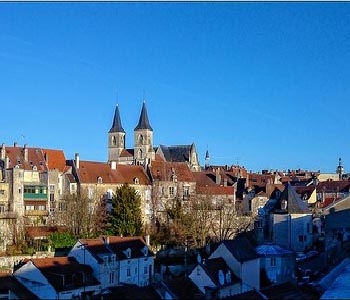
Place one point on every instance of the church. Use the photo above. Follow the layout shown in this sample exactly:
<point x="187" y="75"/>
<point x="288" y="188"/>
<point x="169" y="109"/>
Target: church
<point x="144" y="151"/>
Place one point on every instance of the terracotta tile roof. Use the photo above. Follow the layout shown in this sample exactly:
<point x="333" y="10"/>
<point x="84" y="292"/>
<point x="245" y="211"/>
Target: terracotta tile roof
<point x="42" y="231"/>
<point x="56" y="159"/>
<point x="52" y="268"/>
<point x="35" y="158"/>
<point x="162" y="171"/>
<point x="89" y="171"/>
<point x="215" y="190"/>
<point x="116" y="244"/>
<point x="129" y="173"/>
<point x="333" y="186"/>
<point x="204" y="178"/>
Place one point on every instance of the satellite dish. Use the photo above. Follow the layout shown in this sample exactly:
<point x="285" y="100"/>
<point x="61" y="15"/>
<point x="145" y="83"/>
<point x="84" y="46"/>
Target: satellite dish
<point x="221" y="277"/>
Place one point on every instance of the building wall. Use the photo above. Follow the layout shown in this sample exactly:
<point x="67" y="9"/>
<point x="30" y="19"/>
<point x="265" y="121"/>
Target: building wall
<point x="34" y="281"/>
<point x="279" y="269"/>
<point x="250" y="274"/>
<point x="201" y="279"/>
<point x="292" y="231"/>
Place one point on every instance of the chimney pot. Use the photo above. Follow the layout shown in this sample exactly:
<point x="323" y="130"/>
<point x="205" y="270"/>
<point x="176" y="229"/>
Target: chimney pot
<point x="77" y="160"/>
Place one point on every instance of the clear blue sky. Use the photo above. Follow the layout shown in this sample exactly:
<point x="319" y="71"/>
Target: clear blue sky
<point x="266" y="85"/>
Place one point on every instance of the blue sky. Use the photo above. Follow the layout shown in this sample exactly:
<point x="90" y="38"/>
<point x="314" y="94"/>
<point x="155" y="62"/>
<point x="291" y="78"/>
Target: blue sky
<point x="264" y="84"/>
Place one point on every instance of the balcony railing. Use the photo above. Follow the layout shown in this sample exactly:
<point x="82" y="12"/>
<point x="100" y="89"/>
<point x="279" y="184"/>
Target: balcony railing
<point x="36" y="212"/>
<point x="8" y="215"/>
<point x="35" y="196"/>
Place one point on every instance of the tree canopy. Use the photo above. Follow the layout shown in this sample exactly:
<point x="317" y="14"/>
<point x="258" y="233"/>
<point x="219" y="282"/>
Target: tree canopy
<point x="125" y="217"/>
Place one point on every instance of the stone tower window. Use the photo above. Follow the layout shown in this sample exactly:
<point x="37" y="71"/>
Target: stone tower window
<point x="114" y="142"/>
<point x="141" y="139"/>
<point x="139" y="154"/>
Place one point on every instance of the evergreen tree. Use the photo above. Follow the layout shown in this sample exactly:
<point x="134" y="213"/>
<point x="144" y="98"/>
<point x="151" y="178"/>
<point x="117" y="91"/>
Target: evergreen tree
<point x="125" y="217"/>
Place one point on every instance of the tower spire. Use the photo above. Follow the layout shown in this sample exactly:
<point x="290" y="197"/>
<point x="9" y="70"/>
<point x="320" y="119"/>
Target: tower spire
<point x="117" y="123"/>
<point x="143" y="121"/>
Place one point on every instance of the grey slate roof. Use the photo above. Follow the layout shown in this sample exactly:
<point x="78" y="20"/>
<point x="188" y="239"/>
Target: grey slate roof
<point x="241" y="249"/>
<point x="272" y="249"/>
<point x="176" y="153"/>
<point x="295" y="205"/>
<point x="143" y="121"/>
<point x="117" y="124"/>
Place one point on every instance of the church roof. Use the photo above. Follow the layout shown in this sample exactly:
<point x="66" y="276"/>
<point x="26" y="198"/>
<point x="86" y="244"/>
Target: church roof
<point x="176" y="153"/>
<point x="143" y="121"/>
<point x="117" y="123"/>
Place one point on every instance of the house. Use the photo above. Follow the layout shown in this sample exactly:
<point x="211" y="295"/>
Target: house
<point x="57" y="278"/>
<point x="285" y="220"/>
<point x="242" y="259"/>
<point x="277" y="263"/>
<point x="11" y="288"/>
<point x="99" y="181"/>
<point x="215" y="279"/>
<point x="116" y="260"/>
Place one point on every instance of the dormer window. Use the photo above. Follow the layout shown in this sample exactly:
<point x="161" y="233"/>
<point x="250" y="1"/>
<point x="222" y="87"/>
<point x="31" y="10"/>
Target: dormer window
<point x="145" y="251"/>
<point x="128" y="253"/>
<point x="284" y="204"/>
<point x="35" y="168"/>
<point x="136" y="180"/>
<point x="99" y="179"/>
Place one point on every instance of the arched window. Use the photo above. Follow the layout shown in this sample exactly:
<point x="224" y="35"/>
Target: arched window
<point x="136" y="180"/>
<point x="139" y="154"/>
<point x="141" y="139"/>
<point x="114" y="142"/>
<point x="99" y="179"/>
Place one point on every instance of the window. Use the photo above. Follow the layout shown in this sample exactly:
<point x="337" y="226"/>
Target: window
<point x="30" y="207"/>
<point x="128" y="272"/>
<point x="139" y="154"/>
<point x="111" y="278"/>
<point x="186" y="190"/>
<point x="171" y="190"/>
<point x="99" y="179"/>
<point x="2" y="208"/>
<point x="52" y="188"/>
<point x="90" y="193"/>
<point x="145" y="270"/>
<point x="136" y="180"/>
<point x="273" y="261"/>
<point x="41" y="207"/>
<point x="2" y="192"/>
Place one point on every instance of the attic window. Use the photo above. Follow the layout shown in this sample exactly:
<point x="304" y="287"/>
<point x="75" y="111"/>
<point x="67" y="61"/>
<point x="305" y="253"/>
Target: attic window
<point x="41" y="163"/>
<point x="99" y="179"/>
<point x="31" y="163"/>
<point x="18" y="161"/>
<point x="145" y="251"/>
<point x="128" y="253"/>
<point x="284" y="204"/>
<point x="35" y="168"/>
<point x="136" y="180"/>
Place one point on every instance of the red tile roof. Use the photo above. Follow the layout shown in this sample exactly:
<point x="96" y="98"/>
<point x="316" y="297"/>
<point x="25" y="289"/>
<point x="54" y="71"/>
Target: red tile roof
<point x="215" y="190"/>
<point x="56" y="159"/>
<point x="162" y="171"/>
<point x="127" y="153"/>
<point x="35" y="158"/>
<point x="89" y="171"/>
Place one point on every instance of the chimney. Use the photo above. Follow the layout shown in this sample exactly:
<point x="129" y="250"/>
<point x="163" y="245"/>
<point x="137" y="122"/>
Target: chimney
<point x="217" y="176"/>
<point x="3" y="151"/>
<point x="25" y="152"/>
<point x="77" y="160"/>
<point x="15" y="144"/>
<point x="147" y="239"/>
<point x="113" y="165"/>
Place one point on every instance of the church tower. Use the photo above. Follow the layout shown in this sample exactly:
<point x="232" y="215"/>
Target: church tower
<point x="143" y="140"/>
<point x="116" y="138"/>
